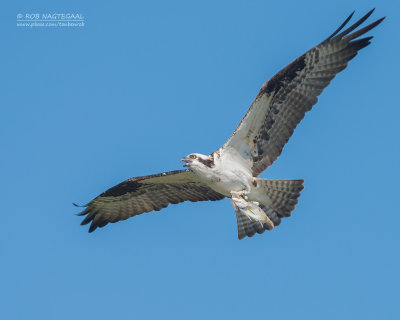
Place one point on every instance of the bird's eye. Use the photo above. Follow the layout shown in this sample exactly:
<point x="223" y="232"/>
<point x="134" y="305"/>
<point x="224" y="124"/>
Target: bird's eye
<point x="193" y="156"/>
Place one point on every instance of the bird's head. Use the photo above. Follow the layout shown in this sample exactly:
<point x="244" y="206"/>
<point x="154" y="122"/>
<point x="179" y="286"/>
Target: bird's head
<point x="198" y="161"/>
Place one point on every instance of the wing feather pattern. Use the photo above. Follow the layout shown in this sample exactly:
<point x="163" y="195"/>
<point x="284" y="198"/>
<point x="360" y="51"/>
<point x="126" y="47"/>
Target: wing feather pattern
<point x="284" y="99"/>
<point x="144" y="194"/>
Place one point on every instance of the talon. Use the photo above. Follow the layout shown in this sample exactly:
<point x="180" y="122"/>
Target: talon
<point x="240" y="195"/>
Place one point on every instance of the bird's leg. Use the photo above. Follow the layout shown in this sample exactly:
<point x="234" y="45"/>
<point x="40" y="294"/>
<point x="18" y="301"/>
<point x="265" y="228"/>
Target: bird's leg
<point x="240" y="194"/>
<point x="249" y="208"/>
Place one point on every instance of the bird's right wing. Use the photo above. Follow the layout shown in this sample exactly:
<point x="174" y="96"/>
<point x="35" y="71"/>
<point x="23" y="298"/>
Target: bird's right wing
<point x="144" y="194"/>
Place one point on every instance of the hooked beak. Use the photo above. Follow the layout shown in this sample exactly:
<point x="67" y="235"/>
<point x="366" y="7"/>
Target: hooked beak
<point x="187" y="161"/>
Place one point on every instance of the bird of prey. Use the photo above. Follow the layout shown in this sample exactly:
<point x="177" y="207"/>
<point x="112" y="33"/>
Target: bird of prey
<point x="232" y="170"/>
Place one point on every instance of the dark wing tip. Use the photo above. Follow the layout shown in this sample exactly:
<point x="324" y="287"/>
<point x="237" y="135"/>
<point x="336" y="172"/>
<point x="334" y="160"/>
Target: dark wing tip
<point x="369" y="12"/>
<point x="99" y="222"/>
<point x="356" y="25"/>
<point x="361" y="43"/>
<point x="88" y="218"/>
<point x="335" y="35"/>
<point x="341" y="26"/>
<point x="378" y="21"/>
<point x="80" y="205"/>
<point x="85" y="211"/>
<point x="93" y="224"/>
<point x="93" y="227"/>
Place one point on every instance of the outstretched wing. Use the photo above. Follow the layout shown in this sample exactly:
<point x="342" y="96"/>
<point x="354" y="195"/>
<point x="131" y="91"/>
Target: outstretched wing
<point x="284" y="99"/>
<point x="144" y="194"/>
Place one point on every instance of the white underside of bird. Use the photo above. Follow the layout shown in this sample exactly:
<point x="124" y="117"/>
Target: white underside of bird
<point x="231" y="176"/>
<point x="227" y="176"/>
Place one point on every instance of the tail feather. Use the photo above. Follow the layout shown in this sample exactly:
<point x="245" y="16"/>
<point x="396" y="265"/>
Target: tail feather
<point x="246" y="227"/>
<point x="282" y="197"/>
<point x="280" y="200"/>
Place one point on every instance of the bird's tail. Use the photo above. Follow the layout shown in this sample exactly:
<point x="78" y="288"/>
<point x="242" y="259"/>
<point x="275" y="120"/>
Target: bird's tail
<point x="282" y="197"/>
<point x="250" y="218"/>
<point x="279" y="201"/>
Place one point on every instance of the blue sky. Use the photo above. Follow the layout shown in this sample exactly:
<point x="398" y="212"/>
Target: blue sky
<point x="141" y="85"/>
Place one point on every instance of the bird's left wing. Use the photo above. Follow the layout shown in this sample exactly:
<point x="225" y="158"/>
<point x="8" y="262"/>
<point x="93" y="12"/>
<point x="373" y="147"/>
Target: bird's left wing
<point x="144" y="194"/>
<point x="283" y="100"/>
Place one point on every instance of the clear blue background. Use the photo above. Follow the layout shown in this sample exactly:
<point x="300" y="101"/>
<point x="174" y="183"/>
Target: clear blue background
<point x="143" y="84"/>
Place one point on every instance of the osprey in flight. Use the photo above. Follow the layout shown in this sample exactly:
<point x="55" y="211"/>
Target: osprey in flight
<point x="256" y="143"/>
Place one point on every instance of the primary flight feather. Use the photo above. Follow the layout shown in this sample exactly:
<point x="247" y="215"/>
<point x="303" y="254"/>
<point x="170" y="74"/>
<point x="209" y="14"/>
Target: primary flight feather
<point x="232" y="170"/>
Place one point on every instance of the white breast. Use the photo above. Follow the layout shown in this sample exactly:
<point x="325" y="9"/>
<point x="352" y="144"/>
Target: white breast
<point x="225" y="176"/>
